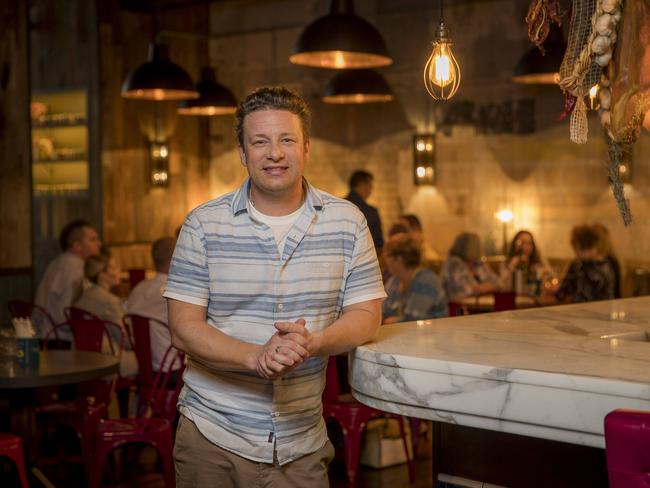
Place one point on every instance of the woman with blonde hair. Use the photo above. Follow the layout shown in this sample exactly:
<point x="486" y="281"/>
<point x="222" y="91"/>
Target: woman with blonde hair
<point x="101" y="273"/>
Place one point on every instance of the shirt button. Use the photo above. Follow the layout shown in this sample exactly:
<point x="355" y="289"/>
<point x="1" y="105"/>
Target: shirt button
<point x="280" y="306"/>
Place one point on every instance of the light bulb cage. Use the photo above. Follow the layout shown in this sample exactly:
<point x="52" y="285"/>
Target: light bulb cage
<point x="438" y="88"/>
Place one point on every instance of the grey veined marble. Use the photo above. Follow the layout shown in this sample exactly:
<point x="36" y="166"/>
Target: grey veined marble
<point x="551" y="372"/>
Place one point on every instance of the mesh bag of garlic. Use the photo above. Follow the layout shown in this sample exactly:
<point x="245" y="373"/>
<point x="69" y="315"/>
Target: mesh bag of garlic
<point x="587" y="52"/>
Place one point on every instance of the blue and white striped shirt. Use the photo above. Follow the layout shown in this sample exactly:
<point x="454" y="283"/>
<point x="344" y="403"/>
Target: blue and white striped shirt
<point x="230" y="263"/>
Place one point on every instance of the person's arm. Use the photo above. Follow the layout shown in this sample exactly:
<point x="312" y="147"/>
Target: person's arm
<point x="193" y="335"/>
<point x="357" y="325"/>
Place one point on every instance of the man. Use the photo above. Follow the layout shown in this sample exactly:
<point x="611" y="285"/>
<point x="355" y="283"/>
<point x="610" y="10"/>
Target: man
<point x="146" y="299"/>
<point x="360" y="191"/>
<point x="62" y="280"/>
<point x="265" y="284"/>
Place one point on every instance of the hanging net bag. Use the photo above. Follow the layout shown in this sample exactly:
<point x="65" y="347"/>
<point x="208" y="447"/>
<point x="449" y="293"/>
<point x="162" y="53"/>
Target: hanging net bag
<point x="587" y="52"/>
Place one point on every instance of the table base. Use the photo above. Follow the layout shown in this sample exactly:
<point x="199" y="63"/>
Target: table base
<point x="514" y="460"/>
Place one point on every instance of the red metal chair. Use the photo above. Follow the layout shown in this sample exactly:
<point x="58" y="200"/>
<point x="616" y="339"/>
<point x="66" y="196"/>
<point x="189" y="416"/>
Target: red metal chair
<point x="353" y="416"/>
<point x="505" y="300"/>
<point x="11" y="446"/>
<point x="150" y="427"/>
<point x="627" y="447"/>
<point x="84" y="413"/>
<point x="138" y="327"/>
<point x="456" y="309"/>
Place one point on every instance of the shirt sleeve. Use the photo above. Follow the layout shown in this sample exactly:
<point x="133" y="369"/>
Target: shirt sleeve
<point x="189" y="280"/>
<point x="363" y="281"/>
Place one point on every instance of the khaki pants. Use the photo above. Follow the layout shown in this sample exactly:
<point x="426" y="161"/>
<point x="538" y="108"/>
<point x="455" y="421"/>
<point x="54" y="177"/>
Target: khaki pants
<point x="201" y="464"/>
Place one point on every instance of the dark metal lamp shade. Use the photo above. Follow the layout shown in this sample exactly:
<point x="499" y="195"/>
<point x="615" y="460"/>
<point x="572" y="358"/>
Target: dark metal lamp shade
<point x="214" y="99"/>
<point x="357" y="86"/>
<point x="536" y="68"/>
<point x="340" y="41"/>
<point x="159" y="78"/>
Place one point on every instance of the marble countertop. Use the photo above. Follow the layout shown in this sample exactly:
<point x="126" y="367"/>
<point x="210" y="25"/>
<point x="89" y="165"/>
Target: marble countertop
<point x="551" y="372"/>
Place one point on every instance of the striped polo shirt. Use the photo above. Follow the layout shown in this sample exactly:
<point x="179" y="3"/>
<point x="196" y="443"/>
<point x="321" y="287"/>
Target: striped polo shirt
<point x="229" y="262"/>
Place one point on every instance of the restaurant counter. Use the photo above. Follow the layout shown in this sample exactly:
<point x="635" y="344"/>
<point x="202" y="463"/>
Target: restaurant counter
<point x="547" y="373"/>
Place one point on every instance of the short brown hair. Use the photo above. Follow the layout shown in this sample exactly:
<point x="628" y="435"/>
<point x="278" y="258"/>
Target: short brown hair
<point x="405" y="247"/>
<point x="162" y="251"/>
<point x="584" y="237"/>
<point x="273" y="98"/>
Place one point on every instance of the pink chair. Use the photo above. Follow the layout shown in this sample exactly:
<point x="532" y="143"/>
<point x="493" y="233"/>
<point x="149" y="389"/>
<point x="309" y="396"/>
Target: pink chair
<point x="11" y="446"/>
<point x="150" y="427"/>
<point x="353" y="416"/>
<point x="627" y="446"/>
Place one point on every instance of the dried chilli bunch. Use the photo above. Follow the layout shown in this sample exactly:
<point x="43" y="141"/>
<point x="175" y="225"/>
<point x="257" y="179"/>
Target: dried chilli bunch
<point x="539" y="17"/>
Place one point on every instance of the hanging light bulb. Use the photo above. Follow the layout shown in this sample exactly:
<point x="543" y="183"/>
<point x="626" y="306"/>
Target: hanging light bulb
<point x="442" y="73"/>
<point x="593" y="93"/>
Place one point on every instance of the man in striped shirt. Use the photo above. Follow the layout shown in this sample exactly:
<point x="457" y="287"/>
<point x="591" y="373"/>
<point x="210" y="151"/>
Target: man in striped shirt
<point x="265" y="284"/>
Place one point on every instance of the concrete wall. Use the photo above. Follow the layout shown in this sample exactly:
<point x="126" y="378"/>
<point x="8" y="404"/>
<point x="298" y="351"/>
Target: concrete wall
<point x="548" y="182"/>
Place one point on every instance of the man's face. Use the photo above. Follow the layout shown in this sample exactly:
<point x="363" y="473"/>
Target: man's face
<point x="274" y="153"/>
<point x="364" y="189"/>
<point x="89" y="244"/>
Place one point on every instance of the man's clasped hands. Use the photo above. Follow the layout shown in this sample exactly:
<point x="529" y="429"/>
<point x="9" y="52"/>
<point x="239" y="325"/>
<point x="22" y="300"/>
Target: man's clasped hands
<point x="292" y="344"/>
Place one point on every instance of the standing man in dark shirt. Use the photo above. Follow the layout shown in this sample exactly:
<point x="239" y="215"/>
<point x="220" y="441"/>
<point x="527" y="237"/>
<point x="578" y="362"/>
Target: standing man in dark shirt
<point x="360" y="190"/>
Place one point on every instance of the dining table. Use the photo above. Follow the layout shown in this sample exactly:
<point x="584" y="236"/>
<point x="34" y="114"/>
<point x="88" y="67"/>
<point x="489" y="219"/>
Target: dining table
<point x="19" y="386"/>
<point x="57" y="368"/>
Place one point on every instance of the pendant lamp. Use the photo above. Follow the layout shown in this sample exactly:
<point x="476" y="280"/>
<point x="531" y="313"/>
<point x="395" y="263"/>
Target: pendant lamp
<point x="214" y="99"/>
<point x="542" y="69"/>
<point x="357" y="86"/>
<point x="340" y="40"/>
<point x="442" y="73"/>
<point x="159" y="78"/>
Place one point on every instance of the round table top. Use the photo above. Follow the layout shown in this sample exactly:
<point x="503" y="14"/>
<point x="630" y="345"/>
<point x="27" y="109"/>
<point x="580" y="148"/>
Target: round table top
<point x="59" y="368"/>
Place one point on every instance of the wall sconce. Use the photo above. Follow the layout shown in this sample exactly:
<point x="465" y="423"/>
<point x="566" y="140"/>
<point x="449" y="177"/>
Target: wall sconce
<point x="159" y="163"/>
<point x="504" y="216"/>
<point x="424" y="161"/>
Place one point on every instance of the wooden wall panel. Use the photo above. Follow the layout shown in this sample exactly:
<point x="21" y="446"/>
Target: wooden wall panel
<point x="15" y="185"/>
<point x="133" y="211"/>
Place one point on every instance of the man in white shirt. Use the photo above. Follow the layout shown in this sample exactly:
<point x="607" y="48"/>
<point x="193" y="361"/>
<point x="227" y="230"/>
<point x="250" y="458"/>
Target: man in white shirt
<point x="61" y="282"/>
<point x="146" y="299"/>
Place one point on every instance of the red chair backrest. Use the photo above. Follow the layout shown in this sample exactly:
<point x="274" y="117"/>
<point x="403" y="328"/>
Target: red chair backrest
<point x="504" y="300"/>
<point x="332" y="389"/>
<point x="456" y="309"/>
<point x="627" y="447"/>
<point x="138" y="329"/>
<point x="162" y="400"/>
<point x="89" y="335"/>
<point x="136" y="275"/>
<point x="79" y="313"/>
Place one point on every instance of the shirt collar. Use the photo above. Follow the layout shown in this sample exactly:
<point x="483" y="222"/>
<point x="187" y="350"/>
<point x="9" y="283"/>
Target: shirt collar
<point x="312" y="199"/>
